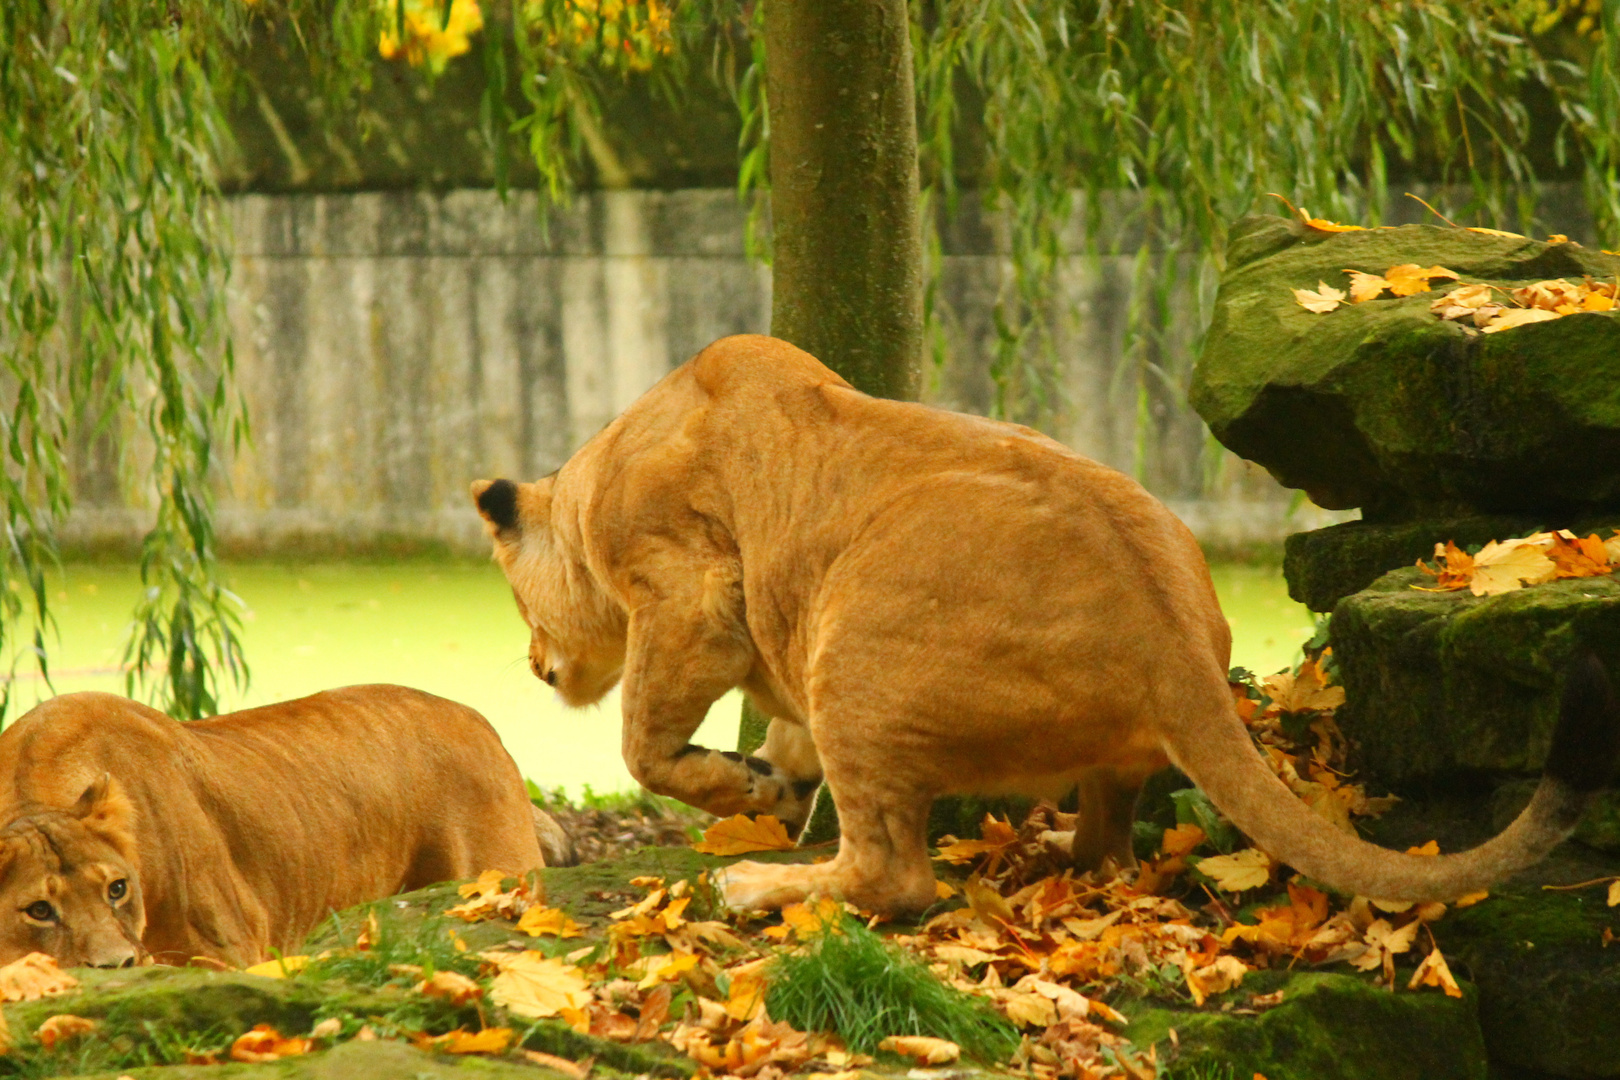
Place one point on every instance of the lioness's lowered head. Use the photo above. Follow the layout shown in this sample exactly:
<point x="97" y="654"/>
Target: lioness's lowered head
<point x="576" y="632"/>
<point x="69" y="881"/>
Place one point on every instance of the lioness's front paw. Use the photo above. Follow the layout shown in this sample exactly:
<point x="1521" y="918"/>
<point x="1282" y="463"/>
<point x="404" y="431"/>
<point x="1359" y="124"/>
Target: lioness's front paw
<point x="752" y="886"/>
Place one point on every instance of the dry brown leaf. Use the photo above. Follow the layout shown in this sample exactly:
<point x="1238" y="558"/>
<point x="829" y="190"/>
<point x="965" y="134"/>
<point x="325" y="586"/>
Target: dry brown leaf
<point x="1435" y="972"/>
<point x="265" y="1043"/>
<point x="577" y="1070"/>
<point x="924" y="1049"/>
<point x="996" y="836"/>
<point x="33" y="977"/>
<point x="1304" y="691"/>
<point x="61" y="1027"/>
<point x="1324" y="300"/>
<point x="739" y="834"/>
<point x="1224" y="973"/>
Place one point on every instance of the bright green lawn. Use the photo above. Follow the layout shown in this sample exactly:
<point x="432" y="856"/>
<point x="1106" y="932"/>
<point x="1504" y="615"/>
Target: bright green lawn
<point x="452" y="629"/>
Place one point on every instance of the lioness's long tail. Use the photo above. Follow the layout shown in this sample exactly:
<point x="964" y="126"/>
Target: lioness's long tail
<point x="1582" y="761"/>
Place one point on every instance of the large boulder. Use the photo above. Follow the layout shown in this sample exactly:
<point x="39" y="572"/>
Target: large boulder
<point x="1441" y="685"/>
<point x="1330" y="1026"/>
<point x="1384" y="406"/>
<point x="1324" y="566"/>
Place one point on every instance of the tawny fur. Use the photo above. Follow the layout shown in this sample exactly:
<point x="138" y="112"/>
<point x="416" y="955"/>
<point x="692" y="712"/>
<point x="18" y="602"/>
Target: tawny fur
<point x="926" y="603"/>
<point x="242" y="832"/>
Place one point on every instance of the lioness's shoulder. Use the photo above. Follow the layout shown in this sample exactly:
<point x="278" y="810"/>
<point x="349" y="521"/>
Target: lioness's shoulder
<point x="752" y="362"/>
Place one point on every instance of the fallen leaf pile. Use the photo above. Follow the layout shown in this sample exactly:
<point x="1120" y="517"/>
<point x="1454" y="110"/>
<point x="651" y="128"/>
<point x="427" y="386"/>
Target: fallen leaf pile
<point x="1487" y="308"/>
<point x="1506" y="565"/>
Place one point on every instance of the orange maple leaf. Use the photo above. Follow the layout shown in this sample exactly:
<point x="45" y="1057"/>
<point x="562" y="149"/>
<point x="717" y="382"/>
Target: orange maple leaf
<point x="461" y="1041"/>
<point x="1435" y="972"/>
<point x="997" y="836"/>
<point x="61" y="1027"/>
<point x="739" y="834"/>
<point x="265" y="1043"/>
<point x="1364" y="287"/>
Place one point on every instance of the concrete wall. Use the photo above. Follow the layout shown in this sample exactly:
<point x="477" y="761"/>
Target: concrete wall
<point x="393" y="346"/>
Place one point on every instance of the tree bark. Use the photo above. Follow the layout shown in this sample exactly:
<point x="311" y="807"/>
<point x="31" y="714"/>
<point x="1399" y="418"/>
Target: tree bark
<point x="846" y="236"/>
<point x="846" y="264"/>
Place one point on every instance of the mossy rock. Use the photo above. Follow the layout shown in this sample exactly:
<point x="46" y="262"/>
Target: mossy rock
<point x="1329" y="1026"/>
<point x="144" y="1012"/>
<point x="352" y="1061"/>
<point x="1440" y="685"/>
<point x="1324" y="566"/>
<point x="1382" y="405"/>
<point x="1549" y="989"/>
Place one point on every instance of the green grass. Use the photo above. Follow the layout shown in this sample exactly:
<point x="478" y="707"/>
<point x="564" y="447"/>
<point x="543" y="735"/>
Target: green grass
<point x="852" y="982"/>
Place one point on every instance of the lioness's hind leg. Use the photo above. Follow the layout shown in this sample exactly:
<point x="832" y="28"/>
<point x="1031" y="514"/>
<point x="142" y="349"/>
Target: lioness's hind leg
<point x="1105" y="816"/>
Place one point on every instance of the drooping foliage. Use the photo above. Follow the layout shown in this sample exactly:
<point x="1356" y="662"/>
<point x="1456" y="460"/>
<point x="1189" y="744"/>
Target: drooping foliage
<point x="1100" y="118"/>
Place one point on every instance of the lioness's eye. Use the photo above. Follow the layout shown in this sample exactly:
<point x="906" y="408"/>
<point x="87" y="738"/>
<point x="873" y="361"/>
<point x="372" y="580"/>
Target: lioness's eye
<point x="40" y="910"/>
<point x="117" y="889"/>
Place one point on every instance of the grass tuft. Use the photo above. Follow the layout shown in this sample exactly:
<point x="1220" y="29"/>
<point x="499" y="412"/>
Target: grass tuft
<point x="852" y="982"/>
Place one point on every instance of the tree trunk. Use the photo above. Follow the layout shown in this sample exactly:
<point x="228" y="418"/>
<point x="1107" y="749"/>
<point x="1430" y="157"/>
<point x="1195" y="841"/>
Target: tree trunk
<point x="846" y="265"/>
<point x="847" y="240"/>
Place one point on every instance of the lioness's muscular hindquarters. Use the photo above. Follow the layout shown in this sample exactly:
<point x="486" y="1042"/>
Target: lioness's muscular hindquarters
<point x="926" y="603"/>
<point x="244" y="831"/>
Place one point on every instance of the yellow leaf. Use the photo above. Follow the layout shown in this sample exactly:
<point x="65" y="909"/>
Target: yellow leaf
<point x="922" y="1048"/>
<point x="1496" y="232"/>
<point x="1432" y="847"/>
<point x="747" y="996"/>
<point x="807" y="920"/>
<point x="996" y="836"/>
<point x="1304" y="691"/>
<point x="533" y="985"/>
<point x="1246" y="869"/>
<point x="1597" y="302"/>
<point x="1614" y="894"/>
<point x="1408" y="279"/>
<point x="1470" y="899"/>
<point x="33" y="977"/>
<point x="452" y="986"/>
<point x="1215" y="978"/>
<point x="1364" y="287"/>
<point x="61" y="1027"/>
<point x="1511" y="317"/>
<point x="739" y="834"/>
<point x="666" y="968"/>
<point x="279" y="968"/>
<point x="543" y="920"/>
<point x="943" y="890"/>
<point x="460" y="1041"/>
<point x="1324" y="225"/>
<point x="488" y="884"/>
<point x="1434" y="972"/>
<point x="1504" y="567"/>
<point x="1029" y="1010"/>
<point x="1324" y="300"/>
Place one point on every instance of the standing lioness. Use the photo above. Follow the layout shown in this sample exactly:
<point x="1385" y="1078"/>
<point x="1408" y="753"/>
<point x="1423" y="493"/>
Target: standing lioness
<point x="229" y="837"/>
<point x="926" y="603"/>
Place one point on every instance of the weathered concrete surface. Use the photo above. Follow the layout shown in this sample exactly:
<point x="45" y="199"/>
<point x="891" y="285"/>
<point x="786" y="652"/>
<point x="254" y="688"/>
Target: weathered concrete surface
<point x="1383" y="406"/>
<point x="392" y="346"/>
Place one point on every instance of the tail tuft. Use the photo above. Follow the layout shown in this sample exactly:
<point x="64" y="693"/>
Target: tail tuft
<point x="1586" y="743"/>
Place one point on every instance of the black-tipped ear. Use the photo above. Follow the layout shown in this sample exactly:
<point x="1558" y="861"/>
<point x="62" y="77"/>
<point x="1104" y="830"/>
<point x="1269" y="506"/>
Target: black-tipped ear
<point x="93" y="796"/>
<point x="497" y="501"/>
<point x="1586" y="742"/>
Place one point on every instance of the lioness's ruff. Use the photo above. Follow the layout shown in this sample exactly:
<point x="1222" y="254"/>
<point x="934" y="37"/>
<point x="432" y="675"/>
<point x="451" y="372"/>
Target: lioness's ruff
<point x="237" y="835"/>
<point x="926" y="603"/>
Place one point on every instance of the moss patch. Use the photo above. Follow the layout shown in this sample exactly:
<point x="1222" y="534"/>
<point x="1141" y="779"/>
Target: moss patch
<point x="1381" y="405"/>
<point x="1449" y="683"/>
<point x="1329" y="1026"/>
<point x="351" y="1061"/>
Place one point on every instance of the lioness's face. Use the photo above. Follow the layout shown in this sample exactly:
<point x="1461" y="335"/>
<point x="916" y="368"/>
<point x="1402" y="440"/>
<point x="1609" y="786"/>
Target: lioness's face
<point x="68" y="883"/>
<point x="576" y="643"/>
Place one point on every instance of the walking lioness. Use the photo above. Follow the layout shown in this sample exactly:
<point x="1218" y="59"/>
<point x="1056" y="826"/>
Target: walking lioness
<point x="926" y="603"/>
<point x="123" y="831"/>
